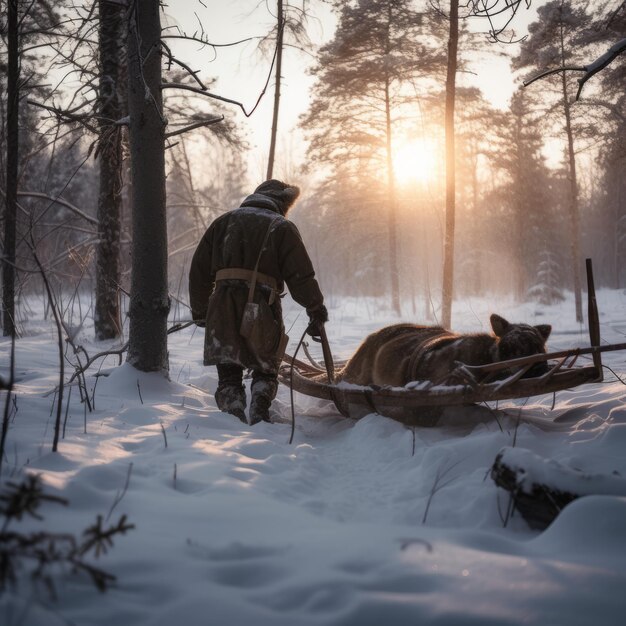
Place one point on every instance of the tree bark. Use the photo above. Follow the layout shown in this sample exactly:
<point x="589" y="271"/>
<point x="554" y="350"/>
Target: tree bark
<point x="573" y="203"/>
<point x="149" y="299"/>
<point x="448" y="260"/>
<point x="279" y="65"/>
<point x="10" y="213"/>
<point x="107" y="320"/>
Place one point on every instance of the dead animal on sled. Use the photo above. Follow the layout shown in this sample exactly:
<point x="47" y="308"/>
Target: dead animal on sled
<point x="398" y="354"/>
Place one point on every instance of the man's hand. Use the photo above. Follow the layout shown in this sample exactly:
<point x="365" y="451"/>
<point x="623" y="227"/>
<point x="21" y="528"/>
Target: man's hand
<point x="317" y="318"/>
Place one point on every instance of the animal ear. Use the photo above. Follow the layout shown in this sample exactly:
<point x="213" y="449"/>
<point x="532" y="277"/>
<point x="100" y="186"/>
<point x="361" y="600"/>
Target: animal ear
<point x="499" y="325"/>
<point x="544" y="330"/>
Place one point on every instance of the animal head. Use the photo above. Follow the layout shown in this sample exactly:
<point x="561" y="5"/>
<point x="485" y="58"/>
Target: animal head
<point x="518" y="340"/>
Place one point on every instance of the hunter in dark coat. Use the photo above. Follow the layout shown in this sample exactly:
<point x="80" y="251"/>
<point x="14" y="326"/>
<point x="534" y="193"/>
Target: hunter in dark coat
<point x="255" y="236"/>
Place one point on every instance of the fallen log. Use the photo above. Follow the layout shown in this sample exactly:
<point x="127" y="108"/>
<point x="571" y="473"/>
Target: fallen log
<point x="542" y="488"/>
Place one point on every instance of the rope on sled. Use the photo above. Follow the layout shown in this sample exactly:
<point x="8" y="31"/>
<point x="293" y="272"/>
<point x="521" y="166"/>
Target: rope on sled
<point x="293" y="412"/>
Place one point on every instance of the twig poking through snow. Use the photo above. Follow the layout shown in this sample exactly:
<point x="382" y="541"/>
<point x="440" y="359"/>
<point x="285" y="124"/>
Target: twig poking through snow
<point x="120" y="495"/>
<point x="164" y="435"/>
<point x="495" y="415"/>
<point x="438" y="485"/>
<point x="67" y="410"/>
<point x="519" y="417"/>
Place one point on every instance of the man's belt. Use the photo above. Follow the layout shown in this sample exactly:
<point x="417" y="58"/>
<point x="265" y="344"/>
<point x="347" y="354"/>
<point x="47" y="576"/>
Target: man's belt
<point x="239" y="273"/>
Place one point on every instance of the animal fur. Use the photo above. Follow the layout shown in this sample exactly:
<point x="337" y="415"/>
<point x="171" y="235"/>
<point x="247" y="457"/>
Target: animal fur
<point x="399" y="354"/>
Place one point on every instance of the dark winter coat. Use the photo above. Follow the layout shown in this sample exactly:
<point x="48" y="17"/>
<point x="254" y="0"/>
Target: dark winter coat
<point x="234" y="240"/>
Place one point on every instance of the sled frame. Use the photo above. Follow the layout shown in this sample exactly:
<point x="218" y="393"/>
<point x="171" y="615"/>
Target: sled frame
<point x="465" y="384"/>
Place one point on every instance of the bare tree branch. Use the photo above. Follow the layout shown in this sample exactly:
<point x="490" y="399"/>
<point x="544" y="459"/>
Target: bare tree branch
<point x="61" y="201"/>
<point x="593" y="68"/>
<point x="489" y="10"/>
<point x="173" y="59"/>
<point x="66" y="115"/>
<point x="203" y="91"/>
<point x="200" y="124"/>
<point x="205" y="42"/>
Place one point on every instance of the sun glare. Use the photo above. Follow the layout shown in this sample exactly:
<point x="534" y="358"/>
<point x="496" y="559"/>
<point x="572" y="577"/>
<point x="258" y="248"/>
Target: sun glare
<point x="415" y="162"/>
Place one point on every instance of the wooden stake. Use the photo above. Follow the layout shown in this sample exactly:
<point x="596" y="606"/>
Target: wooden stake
<point x="593" y="319"/>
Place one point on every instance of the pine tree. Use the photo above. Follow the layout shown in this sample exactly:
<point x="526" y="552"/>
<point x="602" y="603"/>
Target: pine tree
<point x="546" y="287"/>
<point x="551" y="44"/>
<point x="478" y="153"/>
<point x="379" y="46"/>
<point x="533" y="216"/>
<point x="608" y="104"/>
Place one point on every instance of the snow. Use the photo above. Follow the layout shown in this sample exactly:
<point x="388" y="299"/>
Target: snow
<point x="534" y="470"/>
<point x="356" y="523"/>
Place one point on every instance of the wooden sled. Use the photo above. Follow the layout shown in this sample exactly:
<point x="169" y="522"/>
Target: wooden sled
<point x="421" y="403"/>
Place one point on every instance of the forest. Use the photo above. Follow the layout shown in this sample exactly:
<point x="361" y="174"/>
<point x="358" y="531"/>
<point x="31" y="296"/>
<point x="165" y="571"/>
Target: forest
<point x="538" y="185"/>
<point x="455" y="158"/>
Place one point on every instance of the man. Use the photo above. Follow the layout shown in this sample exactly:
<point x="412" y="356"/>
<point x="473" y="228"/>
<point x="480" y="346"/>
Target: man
<point x="237" y="274"/>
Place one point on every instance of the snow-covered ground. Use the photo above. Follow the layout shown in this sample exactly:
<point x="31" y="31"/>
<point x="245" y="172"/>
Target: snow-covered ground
<point x="346" y="526"/>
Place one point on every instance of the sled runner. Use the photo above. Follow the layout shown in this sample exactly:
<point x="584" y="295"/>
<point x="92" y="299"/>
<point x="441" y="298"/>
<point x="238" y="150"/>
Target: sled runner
<point x="421" y="402"/>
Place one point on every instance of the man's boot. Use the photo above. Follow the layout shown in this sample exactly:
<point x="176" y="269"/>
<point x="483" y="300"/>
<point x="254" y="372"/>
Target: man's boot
<point x="263" y="392"/>
<point x="232" y="399"/>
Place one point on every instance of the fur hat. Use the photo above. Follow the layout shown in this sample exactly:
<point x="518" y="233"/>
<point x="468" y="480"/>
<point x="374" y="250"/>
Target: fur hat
<point x="282" y="193"/>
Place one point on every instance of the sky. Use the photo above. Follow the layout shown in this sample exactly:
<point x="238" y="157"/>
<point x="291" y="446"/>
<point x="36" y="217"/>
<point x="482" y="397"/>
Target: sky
<point x="241" y="71"/>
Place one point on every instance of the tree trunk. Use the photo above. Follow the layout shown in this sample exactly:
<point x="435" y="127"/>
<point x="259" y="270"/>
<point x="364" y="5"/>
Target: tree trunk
<point x="618" y="230"/>
<point x="149" y="299"/>
<point x="476" y="234"/>
<point x="279" y="64"/>
<point x="10" y="213"/>
<point x="393" y="235"/>
<point x="448" y="260"/>
<point x="573" y="204"/>
<point x="107" y="320"/>
<point x="519" y="190"/>
<point x="391" y="183"/>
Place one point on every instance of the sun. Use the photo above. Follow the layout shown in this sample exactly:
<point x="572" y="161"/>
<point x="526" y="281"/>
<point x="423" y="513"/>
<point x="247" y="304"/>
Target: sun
<point x="415" y="161"/>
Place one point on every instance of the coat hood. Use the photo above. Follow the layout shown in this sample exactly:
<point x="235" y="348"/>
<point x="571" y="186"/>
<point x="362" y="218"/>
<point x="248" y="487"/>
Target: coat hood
<point x="275" y="195"/>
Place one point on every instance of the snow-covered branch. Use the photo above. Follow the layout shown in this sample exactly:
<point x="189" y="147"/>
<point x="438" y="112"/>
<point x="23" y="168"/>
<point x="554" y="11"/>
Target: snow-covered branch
<point x="592" y="68"/>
